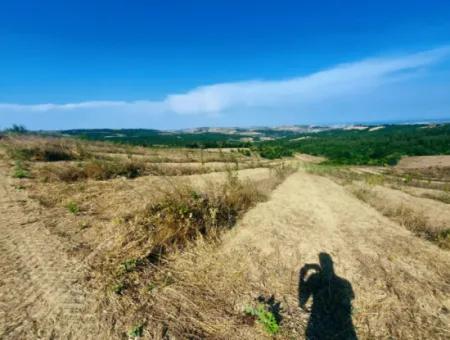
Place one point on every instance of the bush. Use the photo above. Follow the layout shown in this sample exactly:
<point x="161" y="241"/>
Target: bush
<point x="184" y="214"/>
<point x="274" y="151"/>
<point x="265" y="317"/>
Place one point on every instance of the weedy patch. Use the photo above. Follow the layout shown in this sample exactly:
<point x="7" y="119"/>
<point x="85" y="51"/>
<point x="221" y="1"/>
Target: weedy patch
<point x="130" y="265"/>
<point x="267" y="313"/>
<point x="265" y="318"/>
<point x="119" y="287"/>
<point x="163" y="282"/>
<point x="137" y="331"/>
<point x="73" y="207"/>
<point x="92" y="169"/>
<point x="183" y="214"/>
<point x="41" y="151"/>
<point x="20" y="170"/>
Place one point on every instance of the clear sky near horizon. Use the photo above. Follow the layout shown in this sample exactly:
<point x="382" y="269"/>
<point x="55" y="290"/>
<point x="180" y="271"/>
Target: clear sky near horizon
<point x="177" y="64"/>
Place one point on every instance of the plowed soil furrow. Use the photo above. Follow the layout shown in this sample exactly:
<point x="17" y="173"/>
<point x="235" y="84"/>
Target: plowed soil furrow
<point x="42" y="294"/>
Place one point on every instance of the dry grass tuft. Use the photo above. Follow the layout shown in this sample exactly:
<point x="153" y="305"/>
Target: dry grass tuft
<point x="93" y="169"/>
<point x="48" y="149"/>
<point x="183" y="214"/>
<point x="419" y="225"/>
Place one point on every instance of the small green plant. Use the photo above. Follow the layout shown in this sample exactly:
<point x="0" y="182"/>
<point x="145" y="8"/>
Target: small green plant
<point x="118" y="288"/>
<point x="264" y="317"/>
<point x="73" y="207"/>
<point x="130" y="265"/>
<point x="151" y="287"/>
<point x="137" y="331"/>
<point x="20" y="171"/>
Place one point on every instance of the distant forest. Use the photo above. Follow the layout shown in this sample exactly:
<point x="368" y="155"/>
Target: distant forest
<point x="146" y="137"/>
<point x="383" y="145"/>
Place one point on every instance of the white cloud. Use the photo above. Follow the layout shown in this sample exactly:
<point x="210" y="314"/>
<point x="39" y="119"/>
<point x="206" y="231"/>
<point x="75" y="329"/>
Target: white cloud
<point x="143" y="104"/>
<point x="341" y="81"/>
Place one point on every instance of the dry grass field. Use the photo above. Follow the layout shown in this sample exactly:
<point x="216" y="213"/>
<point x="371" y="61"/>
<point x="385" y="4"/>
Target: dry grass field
<point x="103" y="241"/>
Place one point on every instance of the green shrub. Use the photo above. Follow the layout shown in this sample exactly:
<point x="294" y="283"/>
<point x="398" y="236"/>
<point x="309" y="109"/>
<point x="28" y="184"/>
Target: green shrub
<point x="274" y="151"/>
<point x="265" y="317"/>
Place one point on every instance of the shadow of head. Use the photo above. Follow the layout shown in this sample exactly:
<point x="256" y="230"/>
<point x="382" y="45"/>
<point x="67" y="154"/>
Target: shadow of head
<point x="326" y="265"/>
<point x="331" y="309"/>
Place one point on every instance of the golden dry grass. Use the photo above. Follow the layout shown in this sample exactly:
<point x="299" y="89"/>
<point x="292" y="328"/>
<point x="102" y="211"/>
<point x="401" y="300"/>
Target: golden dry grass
<point x="127" y="230"/>
<point x="180" y="251"/>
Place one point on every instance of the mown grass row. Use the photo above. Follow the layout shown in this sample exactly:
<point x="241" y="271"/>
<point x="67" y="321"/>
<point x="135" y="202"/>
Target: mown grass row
<point x="153" y="236"/>
<point x="407" y="217"/>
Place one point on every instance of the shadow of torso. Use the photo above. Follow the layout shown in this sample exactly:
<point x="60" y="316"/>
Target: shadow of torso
<point x="331" y="311"/>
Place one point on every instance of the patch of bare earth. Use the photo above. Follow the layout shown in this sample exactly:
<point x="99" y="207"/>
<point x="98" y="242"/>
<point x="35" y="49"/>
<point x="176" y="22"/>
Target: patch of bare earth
<point x="42" y="288"/>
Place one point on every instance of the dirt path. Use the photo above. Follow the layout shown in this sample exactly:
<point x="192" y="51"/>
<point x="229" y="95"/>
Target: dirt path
<point x="42" y="293"/>
<point x="400" y="282"/>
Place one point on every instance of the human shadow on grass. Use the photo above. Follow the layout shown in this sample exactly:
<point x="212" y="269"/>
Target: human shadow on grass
<point x="331" y="311"/>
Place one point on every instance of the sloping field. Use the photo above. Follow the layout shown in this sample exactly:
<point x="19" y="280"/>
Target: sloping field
<point x="322" y="262"/>
<point x="424" y="162"/>
<point x="385" y="265"/>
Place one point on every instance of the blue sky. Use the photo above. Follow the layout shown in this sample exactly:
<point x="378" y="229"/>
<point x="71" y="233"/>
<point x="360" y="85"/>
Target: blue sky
<point x="176" y="64"/>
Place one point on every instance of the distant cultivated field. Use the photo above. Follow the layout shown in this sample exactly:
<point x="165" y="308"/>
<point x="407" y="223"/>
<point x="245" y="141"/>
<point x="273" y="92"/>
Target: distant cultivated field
<point x="424" y="162"/>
